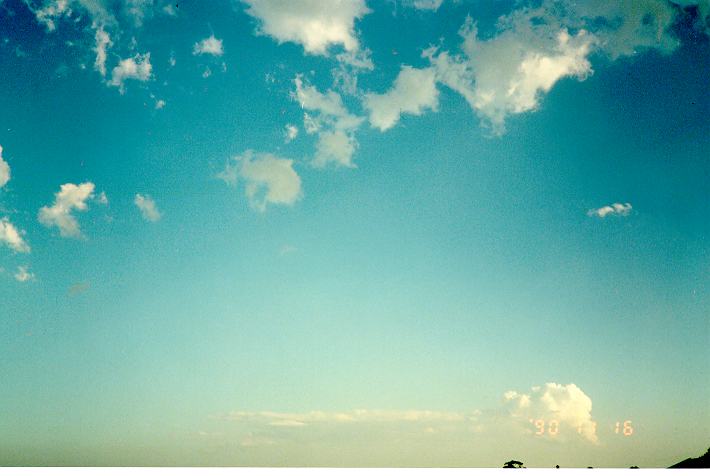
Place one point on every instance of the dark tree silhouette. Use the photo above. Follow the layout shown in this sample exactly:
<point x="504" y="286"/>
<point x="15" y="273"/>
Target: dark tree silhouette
<point x="700" y="462"/>
<point x="513" y="464"/>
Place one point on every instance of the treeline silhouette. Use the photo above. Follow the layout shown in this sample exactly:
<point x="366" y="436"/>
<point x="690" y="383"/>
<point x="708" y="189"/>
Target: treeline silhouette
<point x="699" y="462"/>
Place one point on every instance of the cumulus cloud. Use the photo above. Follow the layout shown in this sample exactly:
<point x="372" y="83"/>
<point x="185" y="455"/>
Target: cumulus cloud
<point x="314" y="24"/>
<point x="103" y="42"/>
<point x="332" y="122"/>
<point x="413" y="91"/>
<point x="567" y="405"/>
<point x="138" y="68"/>
<point x="509" y="73"/>
<point x="208" y="46"/>
<point x="290" y="132"/>
<point x="4" y="170"/>
<point x="268" y="179"/>
<point x="147" y="206"/>
<point x="534" y="48"/>
<point x="619" y="209"/>
<point x="11" y="237"/>
<point x="22" y="275"/>
<point x="70" y="197"/>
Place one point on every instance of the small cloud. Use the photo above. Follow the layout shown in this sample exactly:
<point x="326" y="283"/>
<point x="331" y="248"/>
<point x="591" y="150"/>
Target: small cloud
<point x="4" y="171"/>
<point x="618" y="209"/>
<point x="170" y="10"/>
<point x="102" y="199"/>
<point x="159" y="104"/>
<point x="148" y="208"/>
<point x="290" y="132"/>
<point x="208" y="46"/>
<point x="78" y="288"/>
<point x="287" y="250"/>
<point x="69" y="198"/>
<point x="137" y="68"/>
<point x="413" y="91"/>
<point x="427" y="4"/>
<point x="23" y="275"/>
<point x="12" y="237"/>
<point x="207" y="72"/>
<point x="268" y="179"/>
<point x="172" y="61"/>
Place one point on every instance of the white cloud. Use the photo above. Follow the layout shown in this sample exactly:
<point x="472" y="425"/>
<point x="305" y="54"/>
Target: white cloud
<point x="147" y="206"/>
<point x="508" y="73"/>
<point x="12" y="237"/>
<point x="314" y="24"/>
<point x="290" y="132"/>
<point x="413" y="91"/>
<point x="207" y="72"/>
<point x="268" y="179"/>
<point x="4" y="171"/>
<point x="428" y="4"/>
<point x="23" y="274"/>
<point x="69" y="198"/>
<point x="621" y="209"/>
<point x="208" y="46"/>
<point x="332" y="122"/>
<point x="137" y="67"/>
<point x="567" y="405"/>
<point x="103" y="42"/>
<point x="534" y="48"/>
<point x="159" y="104"/>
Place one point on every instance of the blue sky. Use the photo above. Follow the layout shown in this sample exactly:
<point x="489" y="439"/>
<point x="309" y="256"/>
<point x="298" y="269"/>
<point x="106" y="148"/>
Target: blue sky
<point x="404" y="233"/>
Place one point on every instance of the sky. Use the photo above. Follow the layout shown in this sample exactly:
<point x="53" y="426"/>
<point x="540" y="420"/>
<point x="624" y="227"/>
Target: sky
<point x="354" y="233"/>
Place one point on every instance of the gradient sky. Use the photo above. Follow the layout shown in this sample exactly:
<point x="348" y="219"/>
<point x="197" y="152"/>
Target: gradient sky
<point x="391" y="233"/>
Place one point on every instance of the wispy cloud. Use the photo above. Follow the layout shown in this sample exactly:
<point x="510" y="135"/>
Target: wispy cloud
<point x="148" y="208"/>
<point x="23" y="274"/>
